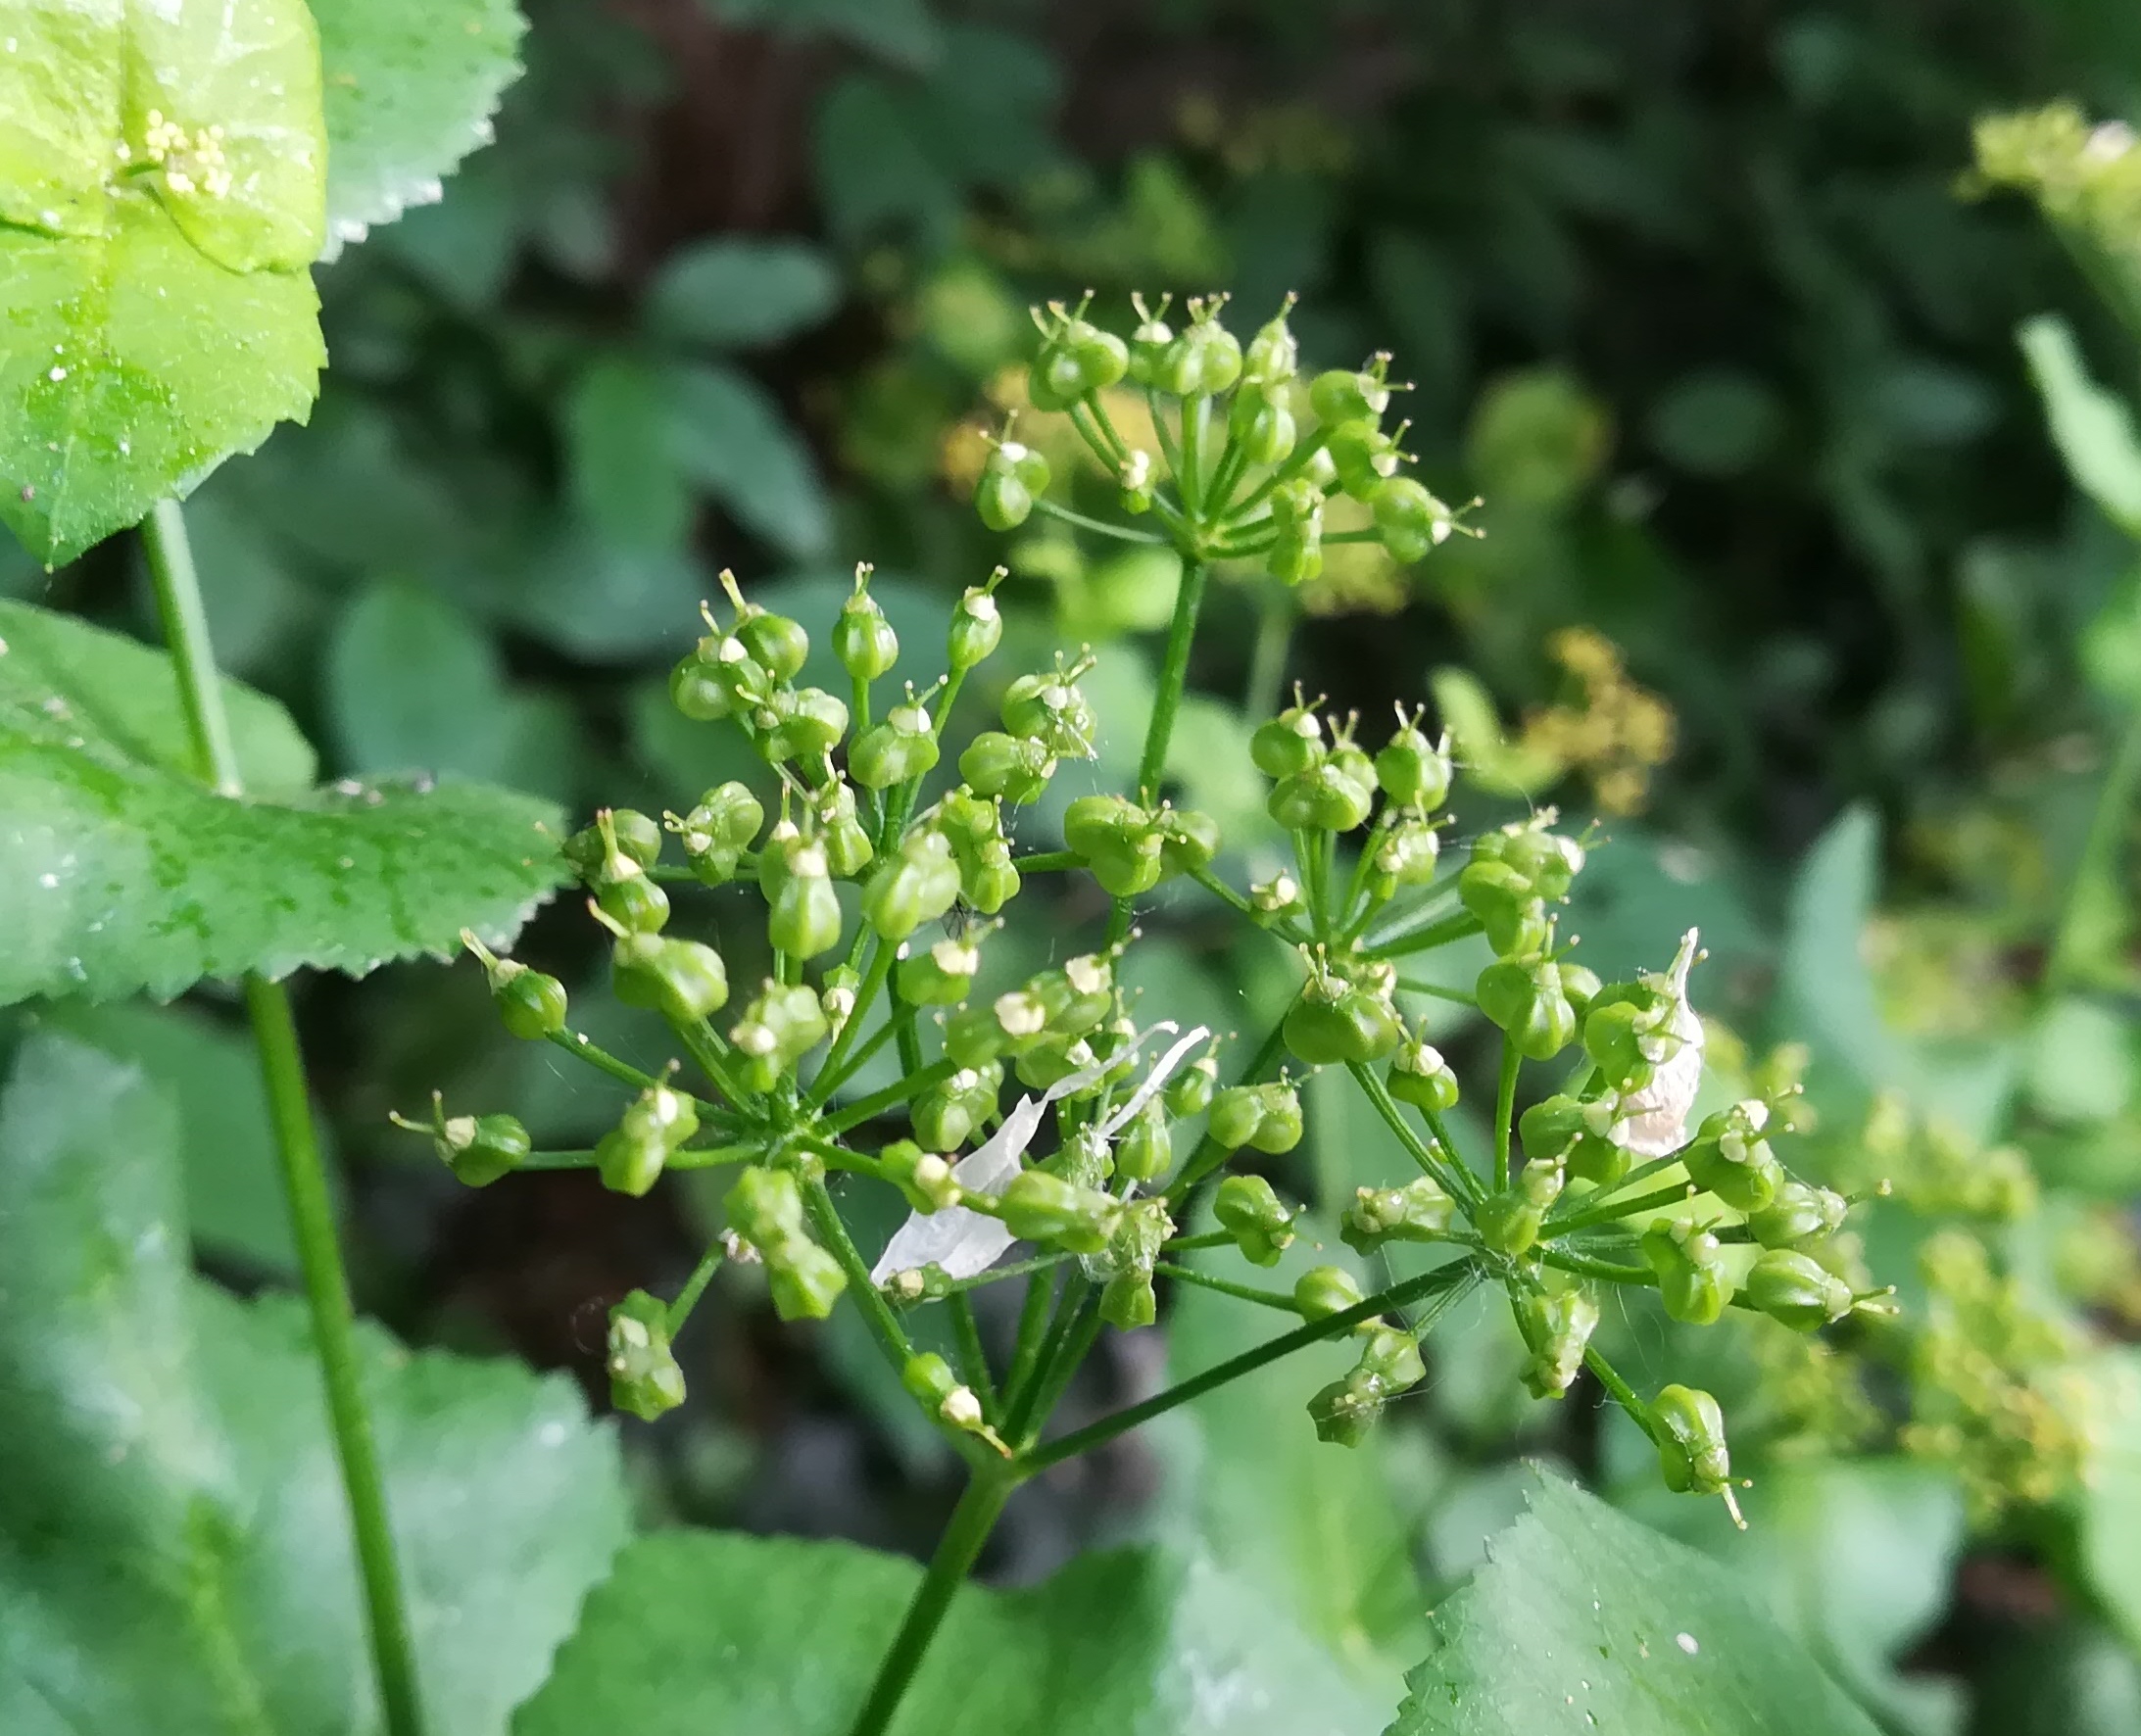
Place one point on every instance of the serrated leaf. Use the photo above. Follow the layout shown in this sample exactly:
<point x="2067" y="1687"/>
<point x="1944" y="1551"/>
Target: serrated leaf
<point x="730" y="437"/>
<point x="702" y="1631"/>
<point x="122" y="874"/>
<point x="153" y="289"/>
<point x="175" y="1555"/>
<point x="410" y="89"/>
<point x="736" y="292"/>
<point x="1583" y="1622"/>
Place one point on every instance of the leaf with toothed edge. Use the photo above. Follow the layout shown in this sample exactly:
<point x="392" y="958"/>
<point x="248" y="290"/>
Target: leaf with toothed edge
<point x="410" y="89"/>
<point x="162" y="189"/>
<point x="1584" y="1622"/>
<point x="175" y="1544"/>
<point x="121" y="874"/>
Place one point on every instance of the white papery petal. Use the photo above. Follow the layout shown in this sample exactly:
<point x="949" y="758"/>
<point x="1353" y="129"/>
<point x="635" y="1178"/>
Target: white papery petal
<point x="966" y="1244"/>
<point x="1656" y="1120"/>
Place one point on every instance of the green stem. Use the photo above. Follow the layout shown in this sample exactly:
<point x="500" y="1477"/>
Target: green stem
<point x="1099" y="527"/>
<point x="1189" y="1274"/>
<point x="973" y="1358"/>
<point x="866" y="992"/>
<point x="1628" y="1208"/>
<point x="1461" y="996"/>
<point x="1022" y="1404"/>
<point x="1048" y="861"/>
<point x="1445" y="1281"/>
<point x="1166" y="703"/>
<point x="695" y="1287"/>
<point x="303" y="1177"/>
<point x="2115" y="802"/>
<point x="1268" y="656"/>
<point x="1032" y="1322"/>
<point x="1623" y="1393"/>
<point x="1451" y="928"/>
<point x="957" y="1550"/>
<point x="884" y="1325"/>
<point x="1210" y="1153"/>
<point x="1451" y="1176"/>
<point x="891" y="1097"/>
<point x="1505" y="1108"/>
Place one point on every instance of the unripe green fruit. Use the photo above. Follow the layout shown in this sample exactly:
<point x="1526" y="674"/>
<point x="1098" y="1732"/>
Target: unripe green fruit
<point x="481" y="1149"/>
<point x="1336" y="1023"/>
<point x="804" y="723"/>
<point x="1143" y="1150"/>
<point x="1413" y="770"/>
<point x="1285" y="746"/>
<point x="1251" y="1213"/>
<point x="1324" y="1290"/>
<point x="775" y="643"/>
<point x="1691" y="1277"/>
<point x="862" y="638"/>
<point x="1796" y="1290"/>
<point x="1557" y="1330"/>
<point x="530" y="1006"/>
<point x="805" y="920"/>
<point x="1036" y="1206"/>
<point x="1730" y="1158"/>
<point x="1411" y="520"/>
<point x="1364" y="458"/>
<point x="1417" y="1211"/>
<point x="1013" y="767"/>
<point x="977" y="629"/>
<point x="903" y="747"/>
<point x="1051" y="708"/>
<point x="1322" y="799"/>
<point x="1344" y="395"/>
<point x="1692" y="1455"/>
<point x="1190" y="1092"/>
<point x="803" y="1279"/>
<point x="1419" y="1076"/>
<point x="1261" y="426"/>
<point x="634" y="903"/>
<point x="643" y="1376"/>
<point x="940" y="976"/>
<point x="1798" y="1214"/>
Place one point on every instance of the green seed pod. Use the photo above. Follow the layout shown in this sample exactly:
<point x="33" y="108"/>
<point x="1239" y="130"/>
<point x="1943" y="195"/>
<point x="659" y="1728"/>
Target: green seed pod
<point x="683" y="980"/>
<point x="863" y="639"/>
<point x="634" y="903"/>
<point x="1128" y="1300"/>
<point x="1002" y="501"/>
<point x="1692" y="1455"/>
<point x="1344" y="396"/>
<point x="616" y="832"/>
<point x="1346" y="1410"/>
<point x="1421" y="1077"/>
<point x="1509" y="1222"/>
<point x="1418" y="1211"/>
<point x="1621" y="1036"/>
<point x="1364" y="458"/>
<point x="629" y="1163"/>
<point x="930" y="1380"/>
<point x="1278" y="1125"/>
<point x="1273" y="357"/>
<point x="530" y="1006"/>
<point x="805" y="920"/>
<point x="1413" y="770"/>
<point x="1796" y="1289"/>
<point x="1236" y="1113"/>
<point x="1053" y="710"/>
<point x="974" y="1037"/>
<point x="643" y="1376"/>
<point x="764" y="1206"/>
<point x="943" y="975"/>
<point x="1505" y="902"/>
<point x="1557" y="1328"/>
<point x="1190" y="1092"/>
<point x="1288" y="744"/>
<point x="1730" y="1158"/>
<point x="1691" y="1275"/>
<point x="988" y="880"/>
<point x="922" y="1177"/>
<point x="1251" y="1213"/>
<point x="1549" y="861"/>
<point x="1098" y="825"/>
<point x="903" y="747"/>
<point x="917" y="883"/>
<point x="776" y="644"/>
<point x="777" y="1030"/>
<point x="1013" y="767"/>
<point x="977" y="629"/>
<point x="1411" y="520"/>
<point x="1149" y="342"/>
<point x="1143" y="1150"/>
<point x="477" y="1149"/>
<point x="702" y="691"/>
<point x="804" y="723"/>
<point x="1336" y="1023"/>
<point x="730" y="816"/>
<point x="841" y="835"/>
<point x="1189" y="840"/>
<point x="1204" y="361"/>
<point x="1526" y="1000"/>
<point x="1580" y="984"/>
<point x="1392" y="1358"/>
<point x="1573" y="1132"/>
<point x="1296" y="557"/>
<point x="1261" y="426"/>
<point x="1799" y="1213"/>
<point x="1324" y="1290"/>
<point x="1036" y="1206"/>
<point x="803" y="1279"/>
<point x="1322" y="799"/>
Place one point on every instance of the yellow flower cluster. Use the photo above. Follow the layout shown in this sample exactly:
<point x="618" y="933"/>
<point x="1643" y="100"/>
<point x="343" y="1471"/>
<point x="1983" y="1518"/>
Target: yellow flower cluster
<point x="1933" y="1169"/>
<point x="1999" y="1389"/>
<point x="1613" y="731"/>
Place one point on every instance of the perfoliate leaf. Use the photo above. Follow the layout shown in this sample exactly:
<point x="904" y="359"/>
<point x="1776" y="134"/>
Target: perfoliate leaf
<point x="703" y="1631"/>
<point x="1584" y="1621"/>
<point x="410" y="87"/>
<point x="121" y="873"/>
<point x="162" y="171"/>
<point x="175" y="1553"/>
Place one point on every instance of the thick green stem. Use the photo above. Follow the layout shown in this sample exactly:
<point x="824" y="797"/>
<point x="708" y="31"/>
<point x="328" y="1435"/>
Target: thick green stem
<point x="303" y="1177"/>
<point x="957" y="1550"/>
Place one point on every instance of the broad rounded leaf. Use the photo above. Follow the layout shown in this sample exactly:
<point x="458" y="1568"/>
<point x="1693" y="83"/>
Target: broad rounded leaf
<point x="740" y="292"/>
<point x="730" y="437"/>
<point x="1583" y="1621"/>
<point x="161" y="176"/>
<point x="699" y="1631"/>
<point x="410" y="87"/>
<point x="175" y="1553"/>
<point x="122" y="874"/>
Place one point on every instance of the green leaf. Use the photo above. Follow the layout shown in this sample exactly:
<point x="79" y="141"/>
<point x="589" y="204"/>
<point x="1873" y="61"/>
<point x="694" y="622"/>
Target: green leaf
<point x="735" y="292"/>
<point x="410" y="88"/>
<point x="2092" y="428"/>
<point x="212" y="1074"/>
<point x="173" y="1547"/>
<point x="2111" y="1499"/>
<point x="1583" y="1621"/>
<point x="626" y="478"/>
<point x="901" y="30"/>
<point x="160" y="314"/>
<point x="119" y="873"/>
<point x="412" y="685"/>
<point x="730" y="437"/>
<point x="702" y="1631"/>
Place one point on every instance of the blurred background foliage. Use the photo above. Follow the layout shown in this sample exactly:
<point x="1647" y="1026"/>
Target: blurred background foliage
<point x="1780" y="575"/>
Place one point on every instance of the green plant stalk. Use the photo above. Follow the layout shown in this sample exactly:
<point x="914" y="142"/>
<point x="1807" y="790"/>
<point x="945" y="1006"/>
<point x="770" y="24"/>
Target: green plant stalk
<point x="1505" y="1109"/>
<point x="957" y="1550"/>
<point x="884" y="1325"/>
<point x="2114" y="803"/>
<point x="972" y="1357"/>
<point x="1190" y="1275"/>
<point x="1166" y="703"/>
<point x="695" y="1287"/>
<point x="1452" y="1178"/>
<point x="303" y="1177"/>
